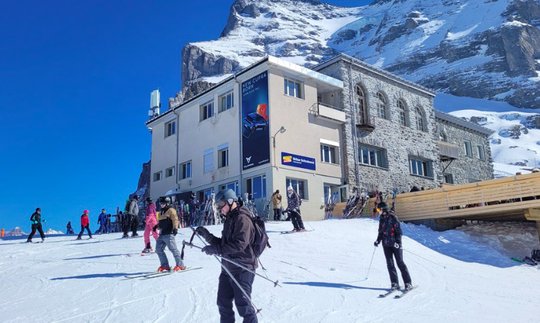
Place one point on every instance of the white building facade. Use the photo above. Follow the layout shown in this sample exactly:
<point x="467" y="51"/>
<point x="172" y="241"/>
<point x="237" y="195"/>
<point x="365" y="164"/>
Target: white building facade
<point x="258" y="131"/>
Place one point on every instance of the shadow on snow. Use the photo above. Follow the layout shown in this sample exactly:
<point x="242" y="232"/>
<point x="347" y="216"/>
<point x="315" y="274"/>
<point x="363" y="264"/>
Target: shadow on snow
<point x="333" y="285"/>
<point x="105" y="275"/>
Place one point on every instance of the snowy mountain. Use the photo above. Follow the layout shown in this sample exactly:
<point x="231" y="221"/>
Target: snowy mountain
<point x="475" y="48"/>
<point x="464" y="275"/>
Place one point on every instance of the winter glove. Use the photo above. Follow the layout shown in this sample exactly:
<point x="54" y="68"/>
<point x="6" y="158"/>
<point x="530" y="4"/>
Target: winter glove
<point x="154" y="229"/>
<point x="397" y="246"/>
<point x="174" y="232"/>
<point x="210" y="249"/>
<point x="376" y="243"/>
<point x="203" y="232"/>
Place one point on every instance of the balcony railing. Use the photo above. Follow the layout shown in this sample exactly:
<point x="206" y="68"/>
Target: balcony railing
<point x="327" y="111"/>
<point x="448" y="151"/>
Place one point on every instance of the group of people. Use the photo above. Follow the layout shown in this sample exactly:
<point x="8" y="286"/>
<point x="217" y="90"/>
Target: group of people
<point x="236" y="279"/>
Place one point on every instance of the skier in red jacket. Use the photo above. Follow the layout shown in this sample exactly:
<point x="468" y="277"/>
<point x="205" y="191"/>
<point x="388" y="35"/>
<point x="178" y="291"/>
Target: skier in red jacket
<point x="85" y="224"/>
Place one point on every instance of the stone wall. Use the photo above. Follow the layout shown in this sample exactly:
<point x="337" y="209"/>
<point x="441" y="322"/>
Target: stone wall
<point x="467" y="169"/>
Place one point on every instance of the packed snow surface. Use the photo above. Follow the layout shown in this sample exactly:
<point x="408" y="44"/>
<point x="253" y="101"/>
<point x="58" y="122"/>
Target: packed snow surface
<point x="463" y="275"/>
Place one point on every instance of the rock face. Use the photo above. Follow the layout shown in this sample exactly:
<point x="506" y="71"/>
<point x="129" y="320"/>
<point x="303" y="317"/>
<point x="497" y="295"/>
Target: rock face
<point x="476" y="48"/>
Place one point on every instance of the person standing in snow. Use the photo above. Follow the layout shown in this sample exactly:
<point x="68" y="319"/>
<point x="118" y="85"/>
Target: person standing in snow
<point x="390" y="236"/>
<point x="35" y="218"/>
<point x="102" y="221"/>
<point x="150" y="222"/>
<point x="168" y="226"/>
<point x="293" y="208"/>
<point x="235" y="243"/>
<point x="276" y="203"/>
<point x="134" y="215"/>
<point x="69" y="228"/>
<point x="85" y="224"/>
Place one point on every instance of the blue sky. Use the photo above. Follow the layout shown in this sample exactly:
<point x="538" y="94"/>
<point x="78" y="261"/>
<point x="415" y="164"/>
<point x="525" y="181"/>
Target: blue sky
<point x="75" y="83"/>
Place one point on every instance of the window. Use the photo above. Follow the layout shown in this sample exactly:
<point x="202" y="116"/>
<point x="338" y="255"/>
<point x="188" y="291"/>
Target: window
<point x="299" y="185"/>
<point x="232" y="185"/>
<point x="170" y="128"/>
<point x="157" y="176"/>
<point x="169" y="171"/>
<point x="402" y="112"/>
<point x="226" y="102"/>
<point x="468" y="148"/>
<point x="449" y="178"/>
<point x="293" y="88"/>
<point x="208" y="161"/>
<point x="256" y="187"/>
<point x="373" y="156"/>
<point x="185" y="170"/>
<point x="362" y="106"/>
<point x="420" y="119"/>
<point x="481" y="154"/>
<point x="223" y="158"/>
<point x="206" y="111"/>
<point x="205" y="194"/>
<point x="381" y="105"/>
<point x="329" y="154"/>
<point x="421" y="167"/>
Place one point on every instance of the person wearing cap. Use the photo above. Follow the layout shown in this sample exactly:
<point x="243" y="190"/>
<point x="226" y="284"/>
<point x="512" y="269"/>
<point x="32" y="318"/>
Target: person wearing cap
<point x="168" y="226"/>
<point x="293" y="208"/>
<point x="85" y="224"/>
<point x="35" y="218"/>
<point x="235" y="244"/>
<point x="390" y="236"/>
<point x="149" y="222"/>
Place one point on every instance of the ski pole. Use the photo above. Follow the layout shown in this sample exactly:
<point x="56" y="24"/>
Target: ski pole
<point x="371" y="262"/>
<point x="276" y="283"/>
<point x="257" y="310"/>
<point x="425" y="259"/>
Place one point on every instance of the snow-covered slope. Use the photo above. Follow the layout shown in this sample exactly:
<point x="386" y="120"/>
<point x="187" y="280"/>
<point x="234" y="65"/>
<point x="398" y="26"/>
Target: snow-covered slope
<point x="325" y="277"/>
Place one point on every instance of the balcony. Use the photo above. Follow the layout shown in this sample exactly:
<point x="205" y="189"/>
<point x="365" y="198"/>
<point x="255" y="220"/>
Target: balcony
<point x="328" y="112"/>
<point x="448" y="151"/>
<point x="365" y="123"/>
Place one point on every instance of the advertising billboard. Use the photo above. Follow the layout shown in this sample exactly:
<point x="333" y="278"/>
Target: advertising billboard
<point x="255" y="120"/>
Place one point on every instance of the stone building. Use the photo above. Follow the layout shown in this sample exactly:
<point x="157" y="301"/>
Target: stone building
<point x="395" y="139"/>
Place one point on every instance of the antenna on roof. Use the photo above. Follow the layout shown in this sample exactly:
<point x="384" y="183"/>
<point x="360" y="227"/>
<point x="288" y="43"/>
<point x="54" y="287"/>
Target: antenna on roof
<point x="155" y="104"/>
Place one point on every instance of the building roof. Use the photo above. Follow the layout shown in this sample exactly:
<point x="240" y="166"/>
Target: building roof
<point x="462" y="123"/>
<point x="375" y="70"/>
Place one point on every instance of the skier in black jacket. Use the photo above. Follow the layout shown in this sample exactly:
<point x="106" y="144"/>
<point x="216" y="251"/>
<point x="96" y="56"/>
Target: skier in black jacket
<point x="390" y="235"/>
<point x="235" y="244"/>
<point x="35" y="218"/>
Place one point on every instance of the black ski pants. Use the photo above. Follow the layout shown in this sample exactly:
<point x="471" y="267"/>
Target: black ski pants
<point x="87" y="227"/>
<point x="277" y="214"/>
<point x="134" y="225"/>
<point x="390" y="253"/>
<point x="229" y="291"/>
<point x="296" y="220"/>
<point x="35" y="227"/>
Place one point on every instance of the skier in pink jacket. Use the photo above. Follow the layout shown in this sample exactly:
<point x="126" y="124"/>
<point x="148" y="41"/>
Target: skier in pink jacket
<point x="150" y="223"/>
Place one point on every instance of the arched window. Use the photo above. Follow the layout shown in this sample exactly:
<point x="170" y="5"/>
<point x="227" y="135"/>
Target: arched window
<point x="420" y="119"/>
<point x="402" y="112"/>
<point x="362" y="105"/>
<point x="381" y="106"/>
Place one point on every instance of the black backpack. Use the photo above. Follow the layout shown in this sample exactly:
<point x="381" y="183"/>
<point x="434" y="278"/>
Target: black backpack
<point x="260" y="242"/>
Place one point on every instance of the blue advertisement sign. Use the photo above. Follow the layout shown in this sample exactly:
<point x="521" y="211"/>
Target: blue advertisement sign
<point x="255" y="130"/>
<point x="293" y="160"/>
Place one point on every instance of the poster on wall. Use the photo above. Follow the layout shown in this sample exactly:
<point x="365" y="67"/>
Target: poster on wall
<point x="255" y="130"/>
<point x="293" y="160"/>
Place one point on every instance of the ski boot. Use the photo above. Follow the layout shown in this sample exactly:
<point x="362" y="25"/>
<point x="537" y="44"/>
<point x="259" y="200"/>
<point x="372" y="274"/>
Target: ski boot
<point x="147" y="249"/>
<point x="163" y="269"/>
<point x="408" y="286"/>
<point x="395" y="286"/>
<point x="179" y="268"/>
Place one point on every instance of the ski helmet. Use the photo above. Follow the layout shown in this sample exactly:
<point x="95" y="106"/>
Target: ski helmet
<point x="165" y="200"/>
<point x="226" y="195"/>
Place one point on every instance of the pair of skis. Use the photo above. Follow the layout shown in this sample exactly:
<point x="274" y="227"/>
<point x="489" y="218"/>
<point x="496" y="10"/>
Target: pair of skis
<point x="154" y="274"/>
<point x="400" y="295"/>
<point x="289" y="232"/>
